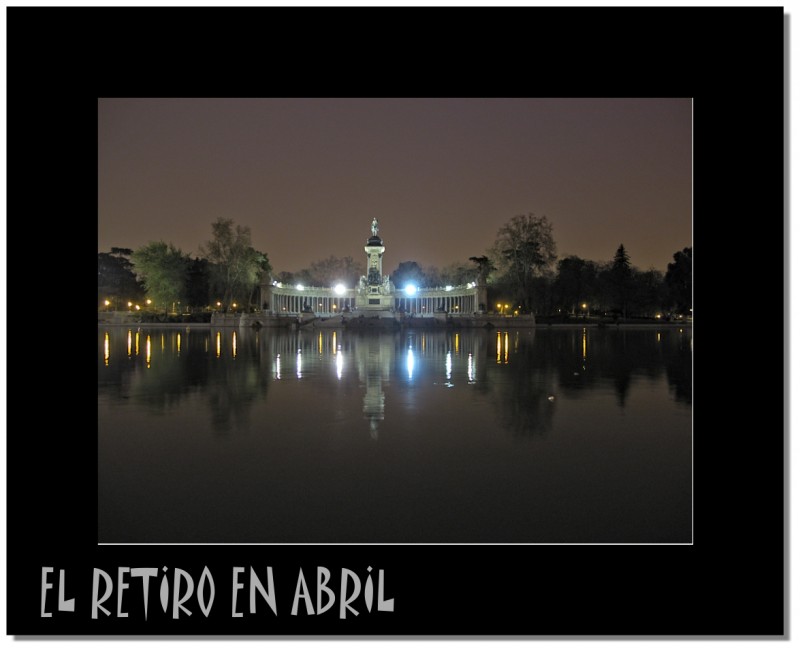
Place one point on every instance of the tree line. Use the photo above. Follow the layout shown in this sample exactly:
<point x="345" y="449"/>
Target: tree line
<point x="226" y="274"/>
<point x="521" y="269"/>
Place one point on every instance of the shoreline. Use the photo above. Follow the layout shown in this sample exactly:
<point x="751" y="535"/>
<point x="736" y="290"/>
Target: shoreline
<point x="415" y="325"/>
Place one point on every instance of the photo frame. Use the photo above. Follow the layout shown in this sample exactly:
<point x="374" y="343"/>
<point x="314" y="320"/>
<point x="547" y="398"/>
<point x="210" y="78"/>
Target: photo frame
<point x="731" y="581"/>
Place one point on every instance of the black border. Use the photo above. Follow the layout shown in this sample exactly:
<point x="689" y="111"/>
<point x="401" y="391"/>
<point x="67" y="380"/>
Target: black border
<point x="731" y="582"/>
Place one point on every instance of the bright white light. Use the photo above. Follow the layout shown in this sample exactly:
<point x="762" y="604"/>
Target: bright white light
<point x="448" y="288"/>
<point x="410" y="363"/>
<point x="339" y="289"/>
<point x="339" y="365"/>
<point x="300" y="288"/>
<point x="411" y="289"/>
<point x="448" y="365"/>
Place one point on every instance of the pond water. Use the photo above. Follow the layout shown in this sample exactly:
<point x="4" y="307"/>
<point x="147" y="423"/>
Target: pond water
<point x="545" y="435"/>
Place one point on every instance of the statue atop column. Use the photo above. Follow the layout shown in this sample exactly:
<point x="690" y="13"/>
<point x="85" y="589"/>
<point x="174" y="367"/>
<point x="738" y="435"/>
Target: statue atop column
<point x="374" y="227"/>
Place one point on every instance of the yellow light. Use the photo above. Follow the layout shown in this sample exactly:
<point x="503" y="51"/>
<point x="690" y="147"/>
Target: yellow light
<point x="584" y="306"/>
<point x="334" y="306"/>
<point x="129" y="343"/>
<point x="506" y="348"/>
<point x="499" y="306"/>
<point x="179" y="342"/>
<point x="130" y="304"/>
<point x="106" y="349"/>
<point x="148" y="301"/>
<point x="218" y="304"/>
<point x="107" y="302"/>
<point x="219" y="343"/>
<point x="658" y="316"/>
<point x="499" y="346"/>
<point x="234" y="345"/>
<point x="234" y="305"/>
<point x="147" y="351"/>
<point x="456" y="342"/>
<point x="138" y="308"/>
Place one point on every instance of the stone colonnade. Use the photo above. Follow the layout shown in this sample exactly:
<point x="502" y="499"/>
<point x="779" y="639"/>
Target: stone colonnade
<point x="325" y="301"/>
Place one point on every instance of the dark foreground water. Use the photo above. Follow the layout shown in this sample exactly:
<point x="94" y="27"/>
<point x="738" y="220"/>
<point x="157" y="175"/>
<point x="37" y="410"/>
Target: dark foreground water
<point x="533" y="436"/>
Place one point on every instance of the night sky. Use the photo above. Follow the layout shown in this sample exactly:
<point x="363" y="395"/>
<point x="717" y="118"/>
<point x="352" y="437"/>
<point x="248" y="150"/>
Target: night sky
<point x="440" y="175"/>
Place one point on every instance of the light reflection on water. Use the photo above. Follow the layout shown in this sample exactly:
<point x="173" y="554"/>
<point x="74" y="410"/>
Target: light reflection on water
<point x="562" y="435"/>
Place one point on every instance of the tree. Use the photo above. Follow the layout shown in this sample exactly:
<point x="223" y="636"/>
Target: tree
<point x="647" y="292"/>
<point x="409" y="273"/>
<point x="679" y="280"/>
<point x="163" y="269"/>
<point x="575" y="283"/>
<point x="198" y="283"/>
<point x="236" y="267"/>
<point x="455" y="273"/>
<point x="116" y="280"/>
<point x="332" y="271"/>
<point x="620" y="276"/>
<point x="524" y="248"/>
<point x="485" y="267"/>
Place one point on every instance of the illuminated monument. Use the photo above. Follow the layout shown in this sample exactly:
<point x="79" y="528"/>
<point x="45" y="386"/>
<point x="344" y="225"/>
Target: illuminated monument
<point x="375" y="292"/>
<point x="374" y="297"/>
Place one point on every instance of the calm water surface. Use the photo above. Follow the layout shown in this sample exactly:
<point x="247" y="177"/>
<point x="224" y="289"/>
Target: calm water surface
<point x="531" y="436"/>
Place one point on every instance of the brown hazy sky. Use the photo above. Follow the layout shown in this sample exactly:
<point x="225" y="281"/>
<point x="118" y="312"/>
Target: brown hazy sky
<point x="440" y="175"/>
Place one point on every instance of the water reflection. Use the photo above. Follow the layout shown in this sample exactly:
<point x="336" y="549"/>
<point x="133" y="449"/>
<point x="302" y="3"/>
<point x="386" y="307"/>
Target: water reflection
<point x="530" y="370"/>
<point x="336" y="436"/>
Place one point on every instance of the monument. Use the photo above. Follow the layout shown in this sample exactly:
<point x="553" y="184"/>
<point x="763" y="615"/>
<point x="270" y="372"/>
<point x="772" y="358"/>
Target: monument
<point x="375" y="292"/>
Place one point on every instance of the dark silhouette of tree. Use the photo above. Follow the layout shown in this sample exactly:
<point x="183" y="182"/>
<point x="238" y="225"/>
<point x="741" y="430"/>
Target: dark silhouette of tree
<point x="620" y="276"/>
<point x="648" y="292"/>
<point x="679" y="280"/>
<point x="409" y="272"/>
<point x="485" y="267"/>
<point x="524" y="248"/>
<point x="116" y="280"/>
<point x="198" y="280"/>
<point x="575" y="283"/>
